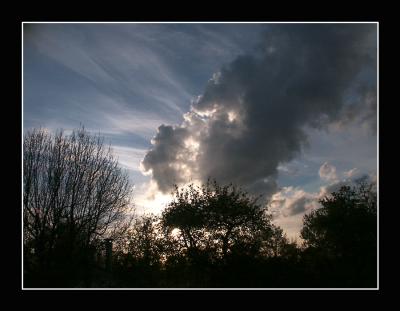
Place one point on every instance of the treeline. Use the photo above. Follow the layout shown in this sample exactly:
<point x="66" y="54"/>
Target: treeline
<point x="76" y="203"/>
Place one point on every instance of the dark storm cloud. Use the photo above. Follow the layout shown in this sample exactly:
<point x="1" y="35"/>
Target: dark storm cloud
<point x="299" y="206"/>
<point x="253" y="113"/>
<point x="169" y="143"/>
<point x="363" y="109"/>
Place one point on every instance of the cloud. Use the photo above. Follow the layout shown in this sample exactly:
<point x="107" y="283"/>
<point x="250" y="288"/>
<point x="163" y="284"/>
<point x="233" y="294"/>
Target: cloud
<point x="361" y="109"/>
<point x="118" y="62"/>
<point x="289" y="204"/>
<point x="252" y="115"/>
<point x="290" y="201"/>
<point x="121" y="77"/>
<point x="288" y="170"/>
<point x="129" y="157"/>
<point x="327" y="172"/>
<point x="351" y="173"/>
<point x="148" y="199"/>
<point x="335" y="186"/>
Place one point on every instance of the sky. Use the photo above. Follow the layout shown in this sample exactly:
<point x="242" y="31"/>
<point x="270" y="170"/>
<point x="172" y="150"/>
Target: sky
<point x="286" y="111"/>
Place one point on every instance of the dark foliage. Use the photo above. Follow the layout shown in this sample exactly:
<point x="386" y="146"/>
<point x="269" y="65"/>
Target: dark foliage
<point x="75" y="196"/>
<point x="341" y="238"/>
<point x="78" y="233"/>
<point x="213" y="236"/>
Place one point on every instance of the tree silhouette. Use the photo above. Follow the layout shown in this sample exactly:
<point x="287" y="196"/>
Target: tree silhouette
<point x="341" y="236"/>
<point x="77" y="210"/>
<point x="222" y="226"/>
<point x="74" y="195"/>
<point x="139" y="255"/>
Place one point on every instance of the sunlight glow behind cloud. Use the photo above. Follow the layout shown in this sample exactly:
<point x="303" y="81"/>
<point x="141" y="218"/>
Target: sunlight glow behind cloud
<point x="275" y="109"/>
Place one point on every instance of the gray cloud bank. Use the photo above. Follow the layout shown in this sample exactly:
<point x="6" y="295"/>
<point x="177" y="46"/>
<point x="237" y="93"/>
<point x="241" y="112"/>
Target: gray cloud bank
<point x="254" y="112"/>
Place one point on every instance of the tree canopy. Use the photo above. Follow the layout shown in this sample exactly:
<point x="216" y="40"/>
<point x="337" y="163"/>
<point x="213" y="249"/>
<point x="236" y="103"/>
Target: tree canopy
<point x="80" y="230"/>
<point x="343" y="234"/>
<point x="224" y="220"/>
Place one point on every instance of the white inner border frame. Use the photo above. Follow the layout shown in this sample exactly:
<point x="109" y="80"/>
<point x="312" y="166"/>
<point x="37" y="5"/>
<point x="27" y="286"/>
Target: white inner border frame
<point x="200" y="22"/>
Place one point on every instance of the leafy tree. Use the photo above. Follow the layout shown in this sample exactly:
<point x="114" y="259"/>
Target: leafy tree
<point x="342" y="234"/>
<point x="140" y="253"/>
<point x="346" y="222"/>
<point x="221" y="220"/>
<point x="143" y="242"/>
<point x="75" y="197"/>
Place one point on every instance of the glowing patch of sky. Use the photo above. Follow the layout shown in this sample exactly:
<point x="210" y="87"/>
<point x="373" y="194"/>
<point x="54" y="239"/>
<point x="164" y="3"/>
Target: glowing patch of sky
<point x="125" y="80"/>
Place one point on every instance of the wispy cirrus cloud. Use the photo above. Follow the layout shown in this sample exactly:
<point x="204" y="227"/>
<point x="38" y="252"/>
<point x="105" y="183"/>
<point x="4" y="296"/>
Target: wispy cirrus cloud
<point x="129" y="157"/>
<point x="120" y="80"/>
<point x="71" y="70"/>
<point x="276" y="103"/>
